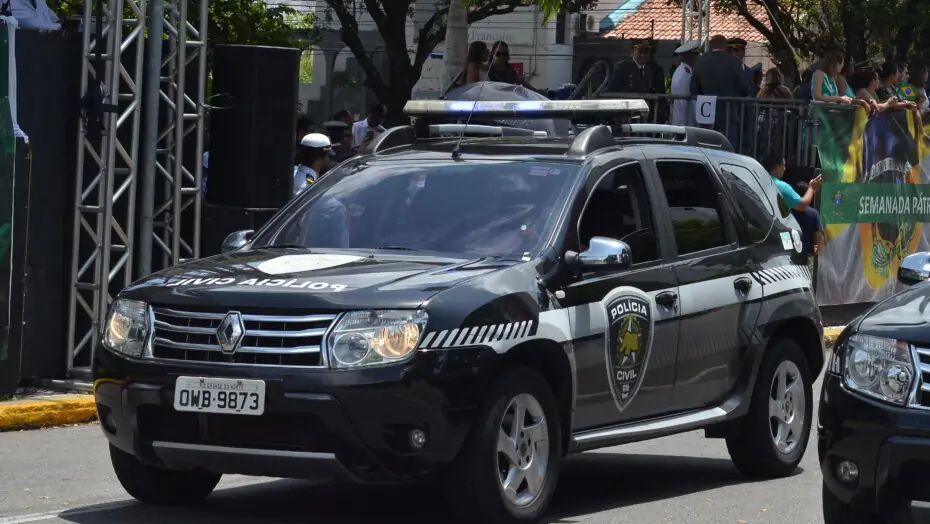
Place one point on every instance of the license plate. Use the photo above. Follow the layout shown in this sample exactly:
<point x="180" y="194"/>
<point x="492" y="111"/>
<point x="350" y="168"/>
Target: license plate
<point x="219" y="395"/>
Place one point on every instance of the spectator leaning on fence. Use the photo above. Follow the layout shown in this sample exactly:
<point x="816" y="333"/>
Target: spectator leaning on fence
<point x="888" y="78"/>
<point x="825" y="88"/>
<point x="774" y="163"/>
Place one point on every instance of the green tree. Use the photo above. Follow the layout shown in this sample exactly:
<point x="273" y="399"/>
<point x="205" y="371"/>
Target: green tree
<point x="394" y="85"/>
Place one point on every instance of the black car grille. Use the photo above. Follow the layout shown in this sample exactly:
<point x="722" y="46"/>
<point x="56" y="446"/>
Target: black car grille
<point x="269" y="340"/>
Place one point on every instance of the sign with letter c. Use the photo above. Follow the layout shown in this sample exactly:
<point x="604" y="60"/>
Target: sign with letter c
<point x="705" y="109"/>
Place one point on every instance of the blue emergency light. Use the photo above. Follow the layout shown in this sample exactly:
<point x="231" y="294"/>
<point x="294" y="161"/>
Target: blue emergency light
<point x="524" y="109"/>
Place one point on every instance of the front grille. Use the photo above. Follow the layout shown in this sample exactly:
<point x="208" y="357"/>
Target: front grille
<point x="923" y="392"/>
<point x="270" y="340"/>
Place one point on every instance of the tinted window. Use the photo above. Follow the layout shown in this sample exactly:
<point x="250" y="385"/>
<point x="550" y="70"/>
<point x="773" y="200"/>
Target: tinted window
<point x="694" y="205"/>
<point x="619" y="208"/>
<point x="475" y="208"/>
<point x="749" y="197"/>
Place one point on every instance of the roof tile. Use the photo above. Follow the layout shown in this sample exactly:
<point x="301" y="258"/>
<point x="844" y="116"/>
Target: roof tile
<point x="662" y="21"/>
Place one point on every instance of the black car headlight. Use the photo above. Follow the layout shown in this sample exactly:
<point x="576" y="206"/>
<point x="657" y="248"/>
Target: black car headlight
<point x="881" y="368"/>
<point x="372" y="338"/>
<point x="126" y="329"/>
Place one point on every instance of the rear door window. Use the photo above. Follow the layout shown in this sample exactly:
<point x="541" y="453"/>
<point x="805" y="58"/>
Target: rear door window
<point x="750" y="198"/>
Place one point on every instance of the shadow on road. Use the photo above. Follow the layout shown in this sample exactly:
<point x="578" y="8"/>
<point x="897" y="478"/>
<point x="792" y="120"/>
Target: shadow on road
<point x="590" y="483"/>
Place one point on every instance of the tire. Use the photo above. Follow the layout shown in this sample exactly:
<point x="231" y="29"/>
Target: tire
<point x="474" y="485"/>
<point x="835" y="511"/>
<point x="159" y="486"/>
<point x="753" y="448"/>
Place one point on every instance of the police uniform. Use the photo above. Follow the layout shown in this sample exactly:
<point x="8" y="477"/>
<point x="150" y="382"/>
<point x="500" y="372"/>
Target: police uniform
<point x="304" y="175"/>
<point x="630" y="77"/>
<point x="740" y="44"/>
<point x="683" y="109"/>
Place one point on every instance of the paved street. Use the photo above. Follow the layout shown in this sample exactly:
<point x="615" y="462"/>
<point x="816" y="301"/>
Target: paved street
<point x="63" y="475"/>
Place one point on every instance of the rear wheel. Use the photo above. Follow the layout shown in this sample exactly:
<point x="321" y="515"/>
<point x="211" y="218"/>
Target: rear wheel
<point x="835" y="511"/>
<point x="772" y="438"/>
<point x="508" y="469"/>
<point x="159" y="486"/>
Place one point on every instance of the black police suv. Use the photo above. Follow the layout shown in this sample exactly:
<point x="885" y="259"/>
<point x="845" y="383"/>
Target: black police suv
<point x="874" y="421"/>
<point x="471" y="310"/>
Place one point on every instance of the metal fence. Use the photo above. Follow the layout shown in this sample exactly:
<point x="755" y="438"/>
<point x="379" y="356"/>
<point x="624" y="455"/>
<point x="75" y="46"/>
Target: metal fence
<point x="755" y="126"/>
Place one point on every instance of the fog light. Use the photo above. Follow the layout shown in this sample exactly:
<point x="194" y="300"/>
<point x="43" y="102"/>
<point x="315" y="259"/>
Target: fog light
<point x="847" y="471"/>
<point x="417" y="438"/>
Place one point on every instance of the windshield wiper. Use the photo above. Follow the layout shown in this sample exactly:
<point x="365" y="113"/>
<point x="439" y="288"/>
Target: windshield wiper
<point x="398" y="248"/>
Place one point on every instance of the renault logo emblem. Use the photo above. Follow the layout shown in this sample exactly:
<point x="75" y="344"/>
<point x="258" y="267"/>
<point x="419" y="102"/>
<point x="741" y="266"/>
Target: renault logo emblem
<point x="230" y="332"/>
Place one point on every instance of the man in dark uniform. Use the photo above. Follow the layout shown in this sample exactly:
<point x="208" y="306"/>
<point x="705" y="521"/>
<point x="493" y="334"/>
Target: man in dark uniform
<point x="639" y="74"/>
<point x="737" y="47"/>
<point x="719" y="73"/>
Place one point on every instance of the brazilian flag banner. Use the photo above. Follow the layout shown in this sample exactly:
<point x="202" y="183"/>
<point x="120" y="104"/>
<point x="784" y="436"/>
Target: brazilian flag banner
<point x="874" y="201"/>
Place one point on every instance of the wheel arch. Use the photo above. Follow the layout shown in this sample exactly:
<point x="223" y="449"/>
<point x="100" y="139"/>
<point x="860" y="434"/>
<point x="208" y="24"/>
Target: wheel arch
<point x="556" y="365"/>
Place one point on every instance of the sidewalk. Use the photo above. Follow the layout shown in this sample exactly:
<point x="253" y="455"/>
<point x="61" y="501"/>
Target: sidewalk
<point x="52" y="409"/>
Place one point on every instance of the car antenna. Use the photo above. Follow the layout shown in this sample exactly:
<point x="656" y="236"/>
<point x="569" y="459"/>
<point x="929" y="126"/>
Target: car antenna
<point x="456" y="154"/>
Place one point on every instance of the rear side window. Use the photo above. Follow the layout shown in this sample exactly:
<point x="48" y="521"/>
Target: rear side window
<point x="694" y="205"/>
<point x="750" y="198"/>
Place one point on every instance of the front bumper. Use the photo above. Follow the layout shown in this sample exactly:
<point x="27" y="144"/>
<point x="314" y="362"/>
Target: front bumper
<point x="891" y="447"/>
<point x="353" y="425"/>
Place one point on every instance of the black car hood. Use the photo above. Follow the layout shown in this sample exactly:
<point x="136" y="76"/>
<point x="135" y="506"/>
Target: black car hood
<point x="905" y="316"/>
<point x="309" y="279"/>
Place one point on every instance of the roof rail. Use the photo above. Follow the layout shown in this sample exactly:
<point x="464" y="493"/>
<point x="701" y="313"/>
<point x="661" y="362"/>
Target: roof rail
<point x="590" y="140"/>
<point x="525" y="109"/>
<point x="393" y="137"/>
<point x="692" y="136"/>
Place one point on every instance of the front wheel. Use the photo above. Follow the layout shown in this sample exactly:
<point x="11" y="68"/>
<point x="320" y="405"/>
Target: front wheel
<point x="159" y="486"/>
<point x="835" y="511"/>
<point x="508" y="470"/>
<point x="772" y="437"/>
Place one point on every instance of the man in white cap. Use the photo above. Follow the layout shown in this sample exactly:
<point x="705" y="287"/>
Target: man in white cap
<point x="682" y="108"/>
<point x="312" y="152"/>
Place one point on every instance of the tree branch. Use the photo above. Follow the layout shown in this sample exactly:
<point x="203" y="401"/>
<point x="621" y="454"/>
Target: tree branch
<point x="349" y="34"/>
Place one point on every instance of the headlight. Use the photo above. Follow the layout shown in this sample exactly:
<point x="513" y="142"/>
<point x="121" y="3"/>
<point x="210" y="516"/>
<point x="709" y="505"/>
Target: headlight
<point x="127" y="327"/>
<point x="370" y="338"/>
<point x="881" y="368"/>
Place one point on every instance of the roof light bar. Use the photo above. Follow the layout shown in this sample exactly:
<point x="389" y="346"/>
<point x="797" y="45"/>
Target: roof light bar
<point x="523" y="109"/>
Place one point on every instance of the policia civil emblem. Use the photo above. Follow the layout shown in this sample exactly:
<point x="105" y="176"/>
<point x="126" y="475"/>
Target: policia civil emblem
<point x="629" y="343"/>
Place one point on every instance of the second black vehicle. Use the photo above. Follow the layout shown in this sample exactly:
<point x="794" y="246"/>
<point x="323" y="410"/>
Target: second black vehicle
<point x="471" y="309"/>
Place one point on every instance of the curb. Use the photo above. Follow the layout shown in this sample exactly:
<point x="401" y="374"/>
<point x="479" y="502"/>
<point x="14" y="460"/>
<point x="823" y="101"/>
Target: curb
<point x="38" y="412"/>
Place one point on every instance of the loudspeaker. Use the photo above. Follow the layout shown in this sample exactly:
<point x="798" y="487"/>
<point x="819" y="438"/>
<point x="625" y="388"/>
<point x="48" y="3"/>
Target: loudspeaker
<point x="219" y="221"/>
<point x="252" y="125"/>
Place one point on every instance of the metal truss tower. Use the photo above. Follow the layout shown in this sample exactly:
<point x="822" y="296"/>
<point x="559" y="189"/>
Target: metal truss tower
<point x="109" y="150"/>
<point x="695" y="21"/>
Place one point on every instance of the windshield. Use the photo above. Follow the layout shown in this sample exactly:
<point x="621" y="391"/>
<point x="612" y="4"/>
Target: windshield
<point x="500" y="208"/>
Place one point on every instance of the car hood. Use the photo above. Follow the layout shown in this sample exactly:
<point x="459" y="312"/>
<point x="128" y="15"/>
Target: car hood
<point x="904" y="316"/>
<point x="310" y="279"/>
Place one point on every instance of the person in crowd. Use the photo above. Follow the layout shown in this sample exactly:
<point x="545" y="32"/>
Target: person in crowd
<point x="825" y="86"/>
<point x="813" y="239"/>
<point x="340" y="135"/>
<point x="343" y="115"/>
<point x="476" y="69"/>
<point x="737" y="48"/>
<point x="773" y="85"/>
<point x="888" y="78"/>
<point x="919" y="73"/>
<point x="866" y="82"/>
<point x="719" y="73"/>
<point x="365" y="130"/>
<point x="637" y="74"/>
<point x="775" y="164"/>
<point x="312" y="153"/>
<point x="849" y="69"/>
<point x="500" y="69"/>
<point x="683" y="108"/>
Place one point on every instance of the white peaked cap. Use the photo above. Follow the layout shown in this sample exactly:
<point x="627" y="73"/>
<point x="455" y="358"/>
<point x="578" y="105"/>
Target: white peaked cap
<point x="688" y="47"/>
<point x="316" y="140"/>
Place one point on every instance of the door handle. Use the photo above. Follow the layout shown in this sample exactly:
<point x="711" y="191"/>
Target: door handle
<point x="742" y="284"/>
<point x="667" y="299"/>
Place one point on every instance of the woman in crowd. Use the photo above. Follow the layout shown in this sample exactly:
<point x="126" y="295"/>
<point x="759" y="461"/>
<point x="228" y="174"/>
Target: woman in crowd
<point x="476" y="69"/>
<point x="773" y="85"/>
<point x="889" y="76"/>
<point x="826" y="86"/>
<point x="501" y="70"/>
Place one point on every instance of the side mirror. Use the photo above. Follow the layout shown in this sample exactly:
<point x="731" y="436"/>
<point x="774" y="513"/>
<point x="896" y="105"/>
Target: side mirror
<point x="236" y="241"/>
<point x="602" y="253"/>
<point x="914" y="269"/>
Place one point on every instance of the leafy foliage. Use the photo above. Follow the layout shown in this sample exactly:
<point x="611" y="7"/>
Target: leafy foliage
<point x="393" y="84"/>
